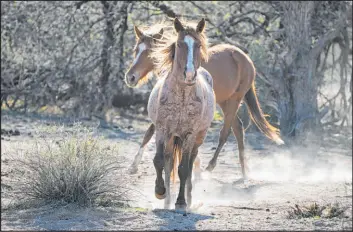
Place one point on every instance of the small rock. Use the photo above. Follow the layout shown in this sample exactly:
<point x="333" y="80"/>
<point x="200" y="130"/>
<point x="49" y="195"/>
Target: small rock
<point x="213" y="148"/>
<point x="184" y="214"/>
<point x="319" y="223"/>
<point x="212" y="213"/>
<point x="2" y="138"/>
<point x="130" y="127"/>
<point x="267" y="210"/>
<point x="16" y="133"/>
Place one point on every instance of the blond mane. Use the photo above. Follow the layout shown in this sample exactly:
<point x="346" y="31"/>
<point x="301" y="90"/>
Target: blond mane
<point x="154" y="29"/>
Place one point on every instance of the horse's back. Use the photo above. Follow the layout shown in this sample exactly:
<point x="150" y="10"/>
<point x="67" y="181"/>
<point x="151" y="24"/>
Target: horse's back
<point x="223" y="64"/>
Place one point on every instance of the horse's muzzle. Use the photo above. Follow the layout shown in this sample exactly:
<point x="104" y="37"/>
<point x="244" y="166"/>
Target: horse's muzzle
<point x="190" y="77"/>
<point x="131" y="79"/>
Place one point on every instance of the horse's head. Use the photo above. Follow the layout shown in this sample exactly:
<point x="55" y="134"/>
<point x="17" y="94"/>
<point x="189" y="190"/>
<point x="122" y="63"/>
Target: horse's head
<point x="142" y="63"/>
<point x="190" y="49"/>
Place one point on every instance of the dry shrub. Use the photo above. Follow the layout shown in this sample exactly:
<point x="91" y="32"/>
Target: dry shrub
<point x="314" y="210"/>
<point x="76" y="170"/>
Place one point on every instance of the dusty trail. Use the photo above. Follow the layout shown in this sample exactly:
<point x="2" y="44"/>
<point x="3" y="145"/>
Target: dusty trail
<point x="279" y="179"/>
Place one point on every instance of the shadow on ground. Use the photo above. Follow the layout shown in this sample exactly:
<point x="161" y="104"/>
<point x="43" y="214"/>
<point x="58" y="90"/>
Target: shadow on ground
<point x="173" y="220"/>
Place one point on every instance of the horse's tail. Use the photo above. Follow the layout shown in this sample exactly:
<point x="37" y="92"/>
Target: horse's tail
<point x="176" y="158"/>
<point x="258" y="117"/>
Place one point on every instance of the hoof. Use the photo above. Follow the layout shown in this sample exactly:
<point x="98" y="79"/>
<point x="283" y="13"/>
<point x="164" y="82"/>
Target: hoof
<point x="133" y="170"/>
<point x="209" y="168"/>
<point x="242" y="181"/>
<point x="181" y="208"/>
<point x="161" y="196"/>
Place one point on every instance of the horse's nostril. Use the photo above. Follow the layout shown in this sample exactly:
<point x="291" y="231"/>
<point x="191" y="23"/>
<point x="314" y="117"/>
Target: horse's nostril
<point x="133" y="78"/>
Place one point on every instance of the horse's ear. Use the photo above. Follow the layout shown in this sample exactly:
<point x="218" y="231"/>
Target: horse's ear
<point x="177" y="25"/>
<point x="159" y="35"/>
<point x="138" y="33"/>
<point x="201" y="26"/>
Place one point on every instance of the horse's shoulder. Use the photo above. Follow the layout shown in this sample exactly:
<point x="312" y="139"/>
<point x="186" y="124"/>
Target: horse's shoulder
<point x="206" y="75"/>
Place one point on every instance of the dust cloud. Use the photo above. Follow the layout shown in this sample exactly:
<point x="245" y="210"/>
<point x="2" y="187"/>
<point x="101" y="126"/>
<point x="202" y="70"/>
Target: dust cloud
<point x="286" y="173"/>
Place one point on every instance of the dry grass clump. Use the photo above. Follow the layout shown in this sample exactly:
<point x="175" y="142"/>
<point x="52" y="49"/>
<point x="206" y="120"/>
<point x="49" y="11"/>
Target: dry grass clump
<point x="316" y="211"/>
<point x="76" y="170"/>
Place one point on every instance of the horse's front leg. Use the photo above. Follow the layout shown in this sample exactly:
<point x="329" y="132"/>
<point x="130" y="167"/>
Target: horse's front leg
<point x="147" y="137"/>
<point x="198" y="142"/>
<point x="183" y="172"/>
<point x="168" y="166"/>
<point x="158" y="161"/>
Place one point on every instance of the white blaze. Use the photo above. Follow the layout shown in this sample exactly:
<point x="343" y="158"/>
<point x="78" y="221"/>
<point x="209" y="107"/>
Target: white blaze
<point x="190" y="60"/>
<point x="142" y="47"/>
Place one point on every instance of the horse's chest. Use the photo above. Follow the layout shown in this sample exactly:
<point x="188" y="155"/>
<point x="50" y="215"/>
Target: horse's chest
<point x="179" y="113"/>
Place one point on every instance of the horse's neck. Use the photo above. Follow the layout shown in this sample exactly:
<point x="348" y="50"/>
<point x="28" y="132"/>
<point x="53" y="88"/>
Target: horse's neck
<point x="173" y="83"/>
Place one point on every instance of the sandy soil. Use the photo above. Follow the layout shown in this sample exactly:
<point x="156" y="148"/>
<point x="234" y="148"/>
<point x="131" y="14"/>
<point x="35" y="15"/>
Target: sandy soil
<point x="279" y="179"/>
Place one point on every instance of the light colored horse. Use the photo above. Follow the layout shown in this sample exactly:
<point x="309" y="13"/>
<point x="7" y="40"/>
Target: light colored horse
<point x="233" y="75"/>
<point x="181" y="106"/>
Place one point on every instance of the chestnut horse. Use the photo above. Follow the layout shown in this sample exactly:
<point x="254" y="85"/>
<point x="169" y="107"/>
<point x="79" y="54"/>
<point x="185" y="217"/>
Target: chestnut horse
<point x="181" y="106"/>
<point x="233" y="75"/>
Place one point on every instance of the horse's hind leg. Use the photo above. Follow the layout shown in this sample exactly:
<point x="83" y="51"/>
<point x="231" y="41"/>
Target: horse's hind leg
<point x="229" y="108"/>
<point x="238" y="131"/>
<point x="223" y="135"/>
<point x="147" y="137"/>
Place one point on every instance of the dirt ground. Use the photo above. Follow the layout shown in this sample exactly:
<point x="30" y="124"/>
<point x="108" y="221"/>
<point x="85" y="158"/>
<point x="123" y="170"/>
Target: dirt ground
<point x="279" y="179"/>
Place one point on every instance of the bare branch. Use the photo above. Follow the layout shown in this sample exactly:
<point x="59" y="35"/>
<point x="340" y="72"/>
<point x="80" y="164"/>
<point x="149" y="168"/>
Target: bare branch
<point x="165" y="9"/>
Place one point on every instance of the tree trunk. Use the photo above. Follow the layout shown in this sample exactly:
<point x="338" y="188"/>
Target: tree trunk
<point x="298" y="104"/>
<point x="108" y="42"/>
<point x="299" y="87"/>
